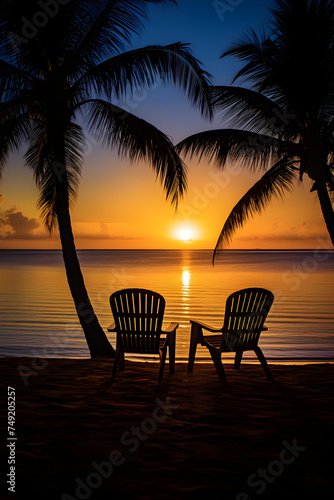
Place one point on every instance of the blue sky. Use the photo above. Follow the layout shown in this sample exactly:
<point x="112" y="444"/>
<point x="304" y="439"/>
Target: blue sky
<point x="210" y="27"/>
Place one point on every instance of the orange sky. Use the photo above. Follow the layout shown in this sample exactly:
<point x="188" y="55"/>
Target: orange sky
<point x="122" y="206"/>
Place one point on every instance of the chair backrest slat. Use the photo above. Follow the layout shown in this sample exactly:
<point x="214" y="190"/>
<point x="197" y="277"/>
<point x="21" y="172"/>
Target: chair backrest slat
<point x="138" y="315"/>
<point x="245" y="313"/>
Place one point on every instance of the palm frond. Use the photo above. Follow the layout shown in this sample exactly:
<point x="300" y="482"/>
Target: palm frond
<point x="78" y="35"/>
<point x="15" y="127"/>
<point x="104" y="28"/>
<point x="140" y="68"/>
<point x="47" y="201"/>
<point x="251" y="110"/>
<point x="48" y="172"/>
<point x="256" y="52"/>
<point x="13" y="81"/>
<point x="38" y="155"/>
<point x="138" y="140"/>
<point x="292" y="62"/>
<point x="251" y="149"/>
<point x="74" y="153"/>
<point x="279" y="178"/>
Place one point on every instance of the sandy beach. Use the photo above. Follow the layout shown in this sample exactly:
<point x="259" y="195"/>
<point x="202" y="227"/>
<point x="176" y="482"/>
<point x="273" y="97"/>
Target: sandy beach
<point x="79" y="437"/>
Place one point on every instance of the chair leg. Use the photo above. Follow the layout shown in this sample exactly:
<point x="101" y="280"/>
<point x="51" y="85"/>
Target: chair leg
<point x="121" y="362"/>
<point x="263" y="362"/>
<point x="171" y="353"/>
<point x="162" y="364"/>
<point x="196" y="334"/>
<point x="237" y="361"/>
<point x="116" y="361"/>
<point x="216" y="358"/>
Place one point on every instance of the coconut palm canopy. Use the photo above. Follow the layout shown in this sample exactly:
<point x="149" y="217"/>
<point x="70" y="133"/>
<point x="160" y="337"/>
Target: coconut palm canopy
<point x="283" y="122"/>
<point x="63" y="66"/>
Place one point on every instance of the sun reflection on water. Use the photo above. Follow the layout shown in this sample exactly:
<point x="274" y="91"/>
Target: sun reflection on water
<point x="186" y="276"/>
<point x="185" y="289"/>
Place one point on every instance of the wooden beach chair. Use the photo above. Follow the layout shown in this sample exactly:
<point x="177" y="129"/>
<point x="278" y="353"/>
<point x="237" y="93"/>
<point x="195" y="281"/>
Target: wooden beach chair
<point x="245" y="314"/>
<point x="138" y="316"/>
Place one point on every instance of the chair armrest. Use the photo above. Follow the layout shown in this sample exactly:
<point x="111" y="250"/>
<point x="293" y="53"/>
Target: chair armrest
<point x="169" y="342"/>
<point x="171" y="328"/>
<point x="111" y="328"/>
<point x="206" y="327"/>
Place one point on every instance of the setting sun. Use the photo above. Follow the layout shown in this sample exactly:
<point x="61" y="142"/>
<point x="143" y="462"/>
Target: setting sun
<point x="186" y="235"/>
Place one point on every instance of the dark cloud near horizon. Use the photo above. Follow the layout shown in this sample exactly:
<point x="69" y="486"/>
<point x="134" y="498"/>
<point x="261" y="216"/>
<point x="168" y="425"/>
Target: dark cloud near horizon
<point x="3" y="199"/>
<point x="16" y="226"/>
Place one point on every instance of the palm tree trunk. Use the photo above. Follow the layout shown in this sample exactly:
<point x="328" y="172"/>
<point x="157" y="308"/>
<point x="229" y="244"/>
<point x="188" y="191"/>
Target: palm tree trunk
<point x="326" y="208"/>
<point x="96" y="338"/>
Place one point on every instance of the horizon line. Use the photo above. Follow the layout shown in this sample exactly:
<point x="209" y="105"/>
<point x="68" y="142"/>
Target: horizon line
<point x="171" y="249"/>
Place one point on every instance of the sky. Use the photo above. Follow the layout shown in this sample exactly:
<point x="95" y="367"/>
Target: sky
<point x="122" y="205"/>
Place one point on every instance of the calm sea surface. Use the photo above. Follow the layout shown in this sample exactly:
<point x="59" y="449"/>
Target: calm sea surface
<point x="37" y="315"/>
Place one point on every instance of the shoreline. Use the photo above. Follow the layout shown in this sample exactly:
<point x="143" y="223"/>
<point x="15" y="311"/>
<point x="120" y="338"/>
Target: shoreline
<point x="189" y="438"/>
<point x="199" y="360"/>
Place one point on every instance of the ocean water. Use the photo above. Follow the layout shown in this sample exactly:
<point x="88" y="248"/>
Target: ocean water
<point x="38" y="318"/>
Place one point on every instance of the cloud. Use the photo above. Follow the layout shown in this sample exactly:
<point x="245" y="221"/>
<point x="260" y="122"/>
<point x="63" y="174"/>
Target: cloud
<point x="299" y="232"/>
<point x="103" y="231"/>
<point x="3" y="200"/>
<point x="275" y="226"/>
<point x="299" y="228"/>
<point x="16" y="226"/>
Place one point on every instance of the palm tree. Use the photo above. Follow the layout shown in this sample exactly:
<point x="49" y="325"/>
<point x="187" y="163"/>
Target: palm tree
<point x="65" y="64"/>
<point x="283" y="123"/>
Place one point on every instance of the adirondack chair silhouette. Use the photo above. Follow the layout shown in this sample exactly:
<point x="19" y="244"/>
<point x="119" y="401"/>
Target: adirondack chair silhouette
<point x="245" y="314"/>
<point x="138" y="315"/>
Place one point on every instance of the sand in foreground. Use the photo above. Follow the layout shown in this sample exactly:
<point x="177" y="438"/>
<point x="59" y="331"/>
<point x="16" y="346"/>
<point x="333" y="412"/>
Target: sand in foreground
<point x="79" y="437"/>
